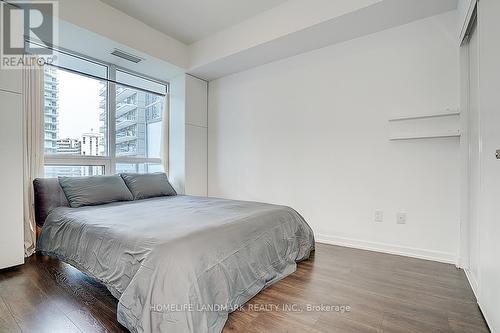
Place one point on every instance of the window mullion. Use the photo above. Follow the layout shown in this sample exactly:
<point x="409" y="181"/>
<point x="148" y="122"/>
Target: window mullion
<point x="112" y="119"/>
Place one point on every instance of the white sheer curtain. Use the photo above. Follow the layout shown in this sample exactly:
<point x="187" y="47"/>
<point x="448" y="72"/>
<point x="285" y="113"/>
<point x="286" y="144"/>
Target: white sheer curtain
<point x="33" y="134"/>
<point x="165" y="134"/>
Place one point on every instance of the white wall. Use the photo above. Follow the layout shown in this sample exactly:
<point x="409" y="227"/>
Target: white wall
<point x="311" y="132"/>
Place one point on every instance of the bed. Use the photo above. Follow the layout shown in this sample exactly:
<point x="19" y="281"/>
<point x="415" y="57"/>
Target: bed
<point x="175" y="263"/>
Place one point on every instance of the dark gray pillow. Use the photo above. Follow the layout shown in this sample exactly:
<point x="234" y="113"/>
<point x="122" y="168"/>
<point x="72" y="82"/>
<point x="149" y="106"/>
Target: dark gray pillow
<point x="95" y="190"/>
<point x="148" y="185"/>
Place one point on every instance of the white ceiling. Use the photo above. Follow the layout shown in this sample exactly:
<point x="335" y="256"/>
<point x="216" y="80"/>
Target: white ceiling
<point x="191" y="20"/>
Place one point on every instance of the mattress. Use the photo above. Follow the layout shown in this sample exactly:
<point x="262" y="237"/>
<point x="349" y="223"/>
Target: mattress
<point x="179" y="263"/>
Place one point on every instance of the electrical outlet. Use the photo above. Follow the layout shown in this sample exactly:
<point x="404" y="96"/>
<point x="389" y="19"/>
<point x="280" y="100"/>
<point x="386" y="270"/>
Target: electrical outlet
<point x="401" y="218"/>
<point x="379" y="216"/>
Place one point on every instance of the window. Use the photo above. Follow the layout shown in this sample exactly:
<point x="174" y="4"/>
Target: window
<point x="73" y="170"/>
<point x="138" y="168"/>
<point x="138" y="123"/>
<point x="81" y="104"/>
<point x="74" y="113"/>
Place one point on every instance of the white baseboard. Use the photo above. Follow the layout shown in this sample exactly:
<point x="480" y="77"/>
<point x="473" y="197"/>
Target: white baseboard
<point x="475" y="289"/>
<point x="449" y="258"/>
<point x="473" y="282"/>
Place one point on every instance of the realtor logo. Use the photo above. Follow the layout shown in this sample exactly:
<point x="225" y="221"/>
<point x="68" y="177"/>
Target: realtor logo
<point x="28" y="30"/>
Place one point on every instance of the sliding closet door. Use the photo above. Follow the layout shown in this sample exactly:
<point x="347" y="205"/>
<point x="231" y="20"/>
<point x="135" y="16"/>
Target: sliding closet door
<point x="483" y="133"/>
<point x="489" y="107"/>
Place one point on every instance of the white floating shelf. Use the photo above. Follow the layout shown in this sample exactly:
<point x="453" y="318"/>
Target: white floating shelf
<point x="445" y="124"/>
<point x="425" y="116"/>
<point x="426" y="136"/>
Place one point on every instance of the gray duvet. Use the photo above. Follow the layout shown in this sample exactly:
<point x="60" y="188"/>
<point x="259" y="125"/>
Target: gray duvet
<point x="179" y="263"/>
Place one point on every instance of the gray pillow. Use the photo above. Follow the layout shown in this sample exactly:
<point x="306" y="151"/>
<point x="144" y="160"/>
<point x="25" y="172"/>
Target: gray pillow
<point x="149" y="185"/>
<point x="95" y="190"/>
<point x="48" y="195"/>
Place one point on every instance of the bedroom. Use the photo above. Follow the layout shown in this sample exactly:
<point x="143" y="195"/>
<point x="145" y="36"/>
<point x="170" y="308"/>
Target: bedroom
<point x="249" y="166"/>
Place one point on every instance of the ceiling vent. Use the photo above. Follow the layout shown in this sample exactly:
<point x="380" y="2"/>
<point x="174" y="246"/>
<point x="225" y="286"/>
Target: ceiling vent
<point x="126" y="56"/>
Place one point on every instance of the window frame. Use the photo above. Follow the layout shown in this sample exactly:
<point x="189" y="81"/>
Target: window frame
<point x="109" y="161"/>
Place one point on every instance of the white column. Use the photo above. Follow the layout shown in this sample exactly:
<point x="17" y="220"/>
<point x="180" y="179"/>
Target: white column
<point x="188" y="135"/>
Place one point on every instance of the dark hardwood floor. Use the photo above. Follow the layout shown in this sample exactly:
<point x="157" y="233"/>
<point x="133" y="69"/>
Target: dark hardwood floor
<point x="386" y="293"/>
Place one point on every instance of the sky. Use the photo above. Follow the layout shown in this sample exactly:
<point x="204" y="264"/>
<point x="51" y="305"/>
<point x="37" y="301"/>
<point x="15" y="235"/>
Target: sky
<point x="78" y="105"/>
